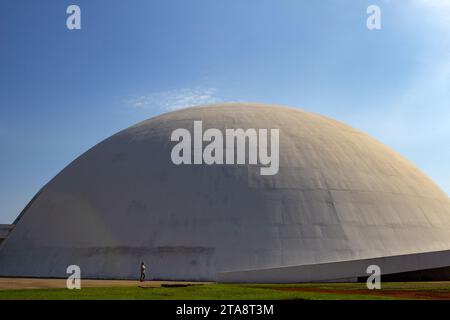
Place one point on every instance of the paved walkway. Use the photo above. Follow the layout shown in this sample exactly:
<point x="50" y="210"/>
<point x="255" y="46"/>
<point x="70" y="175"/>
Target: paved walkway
<point x="32" y="283"/>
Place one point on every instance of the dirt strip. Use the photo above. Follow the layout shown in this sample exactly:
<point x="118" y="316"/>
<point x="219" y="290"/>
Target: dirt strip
<point x="400" y="294"/>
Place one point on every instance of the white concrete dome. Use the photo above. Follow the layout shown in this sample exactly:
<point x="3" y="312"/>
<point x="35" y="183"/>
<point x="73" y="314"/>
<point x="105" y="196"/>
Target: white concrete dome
<point x="339" y="195"/>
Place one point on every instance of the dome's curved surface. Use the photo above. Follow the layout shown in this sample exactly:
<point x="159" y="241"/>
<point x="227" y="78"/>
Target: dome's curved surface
<point x="339" y="195"/>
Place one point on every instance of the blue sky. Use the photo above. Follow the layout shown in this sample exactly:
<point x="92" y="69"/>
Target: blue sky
<point x="62" y="91"/>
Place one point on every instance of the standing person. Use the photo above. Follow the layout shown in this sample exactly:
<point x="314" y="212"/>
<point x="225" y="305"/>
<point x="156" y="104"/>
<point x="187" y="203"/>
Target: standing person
<point x="142" y="271"/>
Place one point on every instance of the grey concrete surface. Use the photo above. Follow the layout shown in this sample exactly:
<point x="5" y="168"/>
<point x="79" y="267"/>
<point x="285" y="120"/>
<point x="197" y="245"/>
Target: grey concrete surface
<point x="5" y="229"/>
<point x="340" y="195"/>
<point x="346" y="271"/>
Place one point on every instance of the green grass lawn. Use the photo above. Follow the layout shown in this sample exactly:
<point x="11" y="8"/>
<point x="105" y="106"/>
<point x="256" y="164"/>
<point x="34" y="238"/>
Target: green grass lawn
<point x="343" y="291"/>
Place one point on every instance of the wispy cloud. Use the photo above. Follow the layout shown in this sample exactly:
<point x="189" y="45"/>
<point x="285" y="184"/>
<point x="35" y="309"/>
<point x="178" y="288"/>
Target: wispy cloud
<point x="174" y="99"/>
